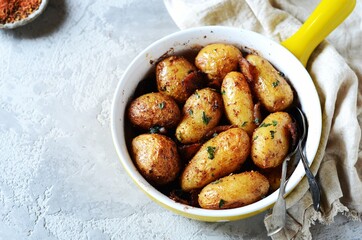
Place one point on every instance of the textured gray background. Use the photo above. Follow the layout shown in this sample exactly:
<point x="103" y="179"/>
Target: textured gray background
<point x="60" y="177"/>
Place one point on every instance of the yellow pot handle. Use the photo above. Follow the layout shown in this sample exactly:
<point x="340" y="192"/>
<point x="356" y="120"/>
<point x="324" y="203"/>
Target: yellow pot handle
<point x="324" y="19"/>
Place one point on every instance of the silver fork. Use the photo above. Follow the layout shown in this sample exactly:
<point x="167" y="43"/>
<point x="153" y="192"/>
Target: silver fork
<point x="279" y="209"/>
<point x="313" y="185"/>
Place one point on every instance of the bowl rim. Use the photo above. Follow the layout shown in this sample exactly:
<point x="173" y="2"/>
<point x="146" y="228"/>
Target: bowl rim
<point x="194" y="212"/>
<point x="31" y="17"/>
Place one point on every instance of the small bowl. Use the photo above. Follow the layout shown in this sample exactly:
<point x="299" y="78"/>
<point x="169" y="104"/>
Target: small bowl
<point x="190" y="39"/>
<point x="28" y="19"/>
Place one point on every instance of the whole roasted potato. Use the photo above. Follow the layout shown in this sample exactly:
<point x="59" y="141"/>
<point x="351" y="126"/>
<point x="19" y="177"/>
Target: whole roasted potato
<point x="177" y="77"/>
<point x="270" y="87"/>
<point x="234" y="191"/>
<point x="217" y="60"/>
<point x="156" y="158"/>
<point x="238" y="101"/>
<point x="154" y="109"/>
<point x="201" y="113"/>
<point x="271" y="140"/>
<point x="218" y="157"/>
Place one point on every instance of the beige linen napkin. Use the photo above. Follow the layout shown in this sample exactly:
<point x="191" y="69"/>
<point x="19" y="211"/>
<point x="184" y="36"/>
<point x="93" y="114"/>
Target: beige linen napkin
<point x="338" y="164"/>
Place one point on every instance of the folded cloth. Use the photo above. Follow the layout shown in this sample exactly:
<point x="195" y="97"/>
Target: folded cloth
<point x="338" y="164"/>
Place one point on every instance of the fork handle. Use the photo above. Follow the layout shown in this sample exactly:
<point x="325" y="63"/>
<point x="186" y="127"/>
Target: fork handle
<point x="279" y="209"/>
<point x="313" y="185"/>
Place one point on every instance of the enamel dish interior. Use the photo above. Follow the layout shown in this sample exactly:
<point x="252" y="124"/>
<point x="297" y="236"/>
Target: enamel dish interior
<point x="280" y="57"/>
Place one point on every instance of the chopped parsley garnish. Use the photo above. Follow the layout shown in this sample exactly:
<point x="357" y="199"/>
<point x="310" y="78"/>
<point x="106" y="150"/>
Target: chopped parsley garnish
<point x="274" y="123"/>
<point x="276" y="83"/>
<point x="265" y="125"/>
<point x="205" y="118"/>
<point x="197" y="94"/>
<point x="281" y="74"/>
<point x="256" y="137"/>
<point x="155" y="129"/>
<point x="223" y="92"/>
<point x="256" y="121"/>
<point x="272" y="134"/>
<point x="244" y="124"/>
<point x="216" y="181"/>
<point x="211" y="151"/>
<point x="221" y="203"/>
<point x="214" y="134"/>
<point x="161" y="105"/>
<point x="190" y="111"/>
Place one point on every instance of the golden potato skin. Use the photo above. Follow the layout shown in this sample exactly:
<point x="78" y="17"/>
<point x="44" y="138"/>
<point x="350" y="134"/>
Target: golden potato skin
<point x="271" y="140"/>
<point x="218" y="157"/>
<point x="156" y="158"/>
<point x="216" y="60"/>
<point x="201" y="113"/>
<point x="234" y="191"/>
<point x="154" y="109"/>
<point x="173" y="78"/>
<point x="273" y="91"/>
<point x="238" y="101"/>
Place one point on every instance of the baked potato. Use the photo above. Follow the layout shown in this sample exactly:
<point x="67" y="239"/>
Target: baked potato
<point x="271" y="140"/>
<point x="238" y="101"/>
<point x="156" y="158"/>
<point x="270" y="87"/>
<point x="177" y="77"/>
<point x="154" y="109"/>
<point x="234" y="191"/>
<point x="217" y="60"/>
<point x="201" y="113"/>
<point x="218" y="157"/>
